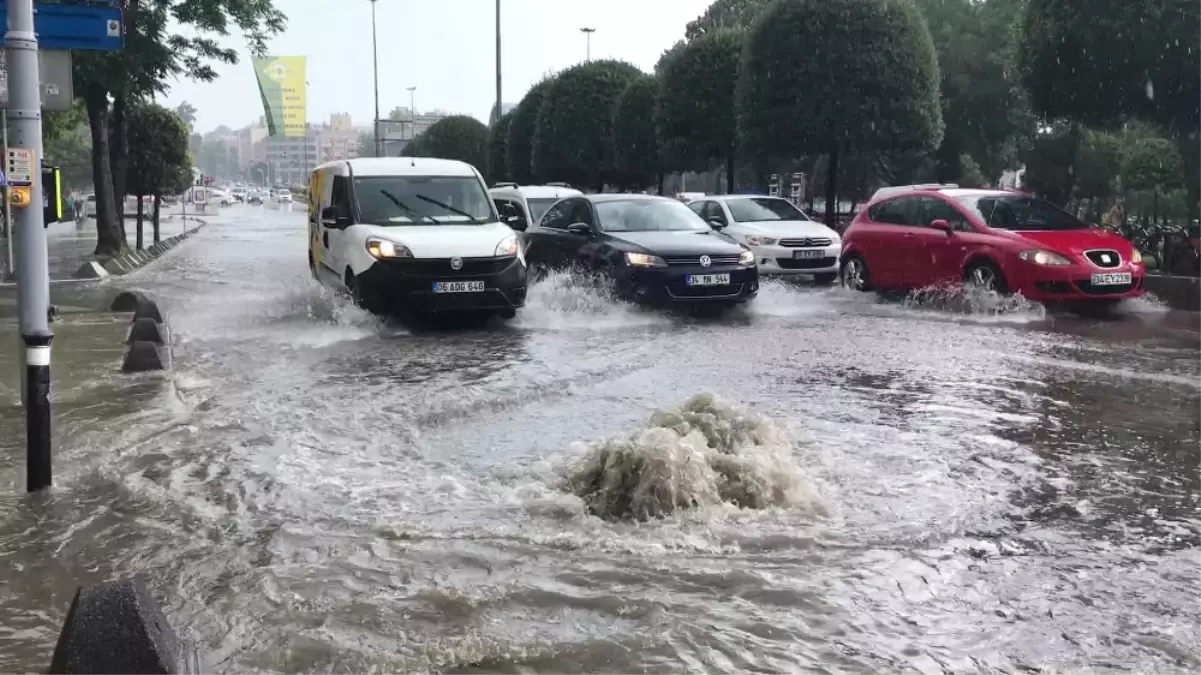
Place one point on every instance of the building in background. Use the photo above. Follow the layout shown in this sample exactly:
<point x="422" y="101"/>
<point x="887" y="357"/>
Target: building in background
<point x="403" y="126"/>
<point x="289" y="159"/>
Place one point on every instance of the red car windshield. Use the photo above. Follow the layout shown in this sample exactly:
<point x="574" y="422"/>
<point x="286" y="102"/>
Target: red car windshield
<point x="1021" y="213"/>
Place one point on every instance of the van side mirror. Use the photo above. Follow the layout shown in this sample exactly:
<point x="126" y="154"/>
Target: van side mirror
<point x="941" y="225"/>
<point x="332" y="217"/>
<point x="716" y="223"/>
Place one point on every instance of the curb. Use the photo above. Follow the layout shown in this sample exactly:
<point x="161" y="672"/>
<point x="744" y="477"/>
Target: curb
<point x="1177" y="292"/>
<point x="132" y="260"/>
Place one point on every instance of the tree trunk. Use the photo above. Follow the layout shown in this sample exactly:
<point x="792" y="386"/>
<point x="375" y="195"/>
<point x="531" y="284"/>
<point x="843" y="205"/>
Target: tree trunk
<point x="158" y="203"/>
<point x="662" y="177"/>
<point x="141" y="218"/>
<point x="831" y="187"/>
<point x="119" y="156"/>
<point x="109" y="238"/>
<point x="730" y="174"/>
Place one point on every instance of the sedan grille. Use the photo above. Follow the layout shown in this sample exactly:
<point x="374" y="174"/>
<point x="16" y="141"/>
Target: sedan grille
<point x="695" y="260"/>
<point x="811" y="242"/>
<point x="1104" y="258"/>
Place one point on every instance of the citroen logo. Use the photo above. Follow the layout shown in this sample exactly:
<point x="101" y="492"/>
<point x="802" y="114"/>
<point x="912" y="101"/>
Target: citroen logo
<point x="706" y="261"/>
<point x="456" y="263"/>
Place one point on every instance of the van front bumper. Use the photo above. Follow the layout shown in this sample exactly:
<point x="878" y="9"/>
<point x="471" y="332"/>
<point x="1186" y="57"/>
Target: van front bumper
<point x="409" y="284"/>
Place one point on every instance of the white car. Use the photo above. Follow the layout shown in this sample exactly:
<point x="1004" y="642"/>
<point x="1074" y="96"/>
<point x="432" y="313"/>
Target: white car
<point x="523" y="205"/>
<point x="282" y="196"/>
<point x="783" y="238"/>
<point x="413" y="234"/>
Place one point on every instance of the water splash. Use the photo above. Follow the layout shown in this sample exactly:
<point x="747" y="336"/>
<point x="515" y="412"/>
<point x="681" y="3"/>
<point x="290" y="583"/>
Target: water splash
<point x="974" y="302"/>
<point x="565" y="300"/>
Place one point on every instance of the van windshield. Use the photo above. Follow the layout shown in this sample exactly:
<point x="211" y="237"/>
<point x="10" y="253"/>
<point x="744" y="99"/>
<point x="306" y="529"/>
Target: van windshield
<point x="423" y="200"/>
<point x="539" y="206"/>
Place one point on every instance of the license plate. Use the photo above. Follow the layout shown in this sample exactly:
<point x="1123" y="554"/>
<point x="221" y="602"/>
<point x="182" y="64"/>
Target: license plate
<point x="458" y="286"/>
<point x="707" y="280"/>
<point x="1111" y="279"/>
<point x="808" y="255"/>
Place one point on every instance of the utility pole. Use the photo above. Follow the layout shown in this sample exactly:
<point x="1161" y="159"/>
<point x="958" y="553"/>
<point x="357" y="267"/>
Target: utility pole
<point x="412" y="114"/>
<point x="498" y="94"/>
<point x="33" y="274"/>
<point x="588" y="42"/>
<point x="375" y="62"/>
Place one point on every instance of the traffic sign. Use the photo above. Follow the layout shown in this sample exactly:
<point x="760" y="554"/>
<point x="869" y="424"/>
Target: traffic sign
<point x="19" y="164"/>
<point x="79" y="27"/>
<point x="54" y="70"/>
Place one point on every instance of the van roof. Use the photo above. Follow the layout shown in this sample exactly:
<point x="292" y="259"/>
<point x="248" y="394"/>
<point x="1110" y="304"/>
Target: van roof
<point x="404" y="166"/>
<point x="536" y="191"/>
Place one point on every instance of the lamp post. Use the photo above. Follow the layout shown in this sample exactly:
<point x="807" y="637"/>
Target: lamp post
<point x="498" y="94"/>
<point x="412" y="113"/>
<point x="375" y="65"/>
<point x="588" y="42"/>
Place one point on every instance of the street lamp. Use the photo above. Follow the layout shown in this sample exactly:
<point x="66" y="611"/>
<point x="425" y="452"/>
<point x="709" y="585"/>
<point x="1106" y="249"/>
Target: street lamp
<point x="498" y="60"/>
<point x="375" y="62"/>
<point x="412" y="113"/>
<point x="588" y="42"/>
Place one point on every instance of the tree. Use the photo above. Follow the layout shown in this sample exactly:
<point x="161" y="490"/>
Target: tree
<point x="460" y="137"/>
<point x="971" y="176"/>
<point x="637" y="153"/>
<point x="573" y="140"/>
<point x="498" y="139"/>
<point x="726" y="14"/>
<point x="695" y="110"/>
<point x="838" y="75"/>
<point x="158" y="144"/>
<point x="66" y="145"/>
<point x="187" y="113"/>
<point x="518" y="149"/>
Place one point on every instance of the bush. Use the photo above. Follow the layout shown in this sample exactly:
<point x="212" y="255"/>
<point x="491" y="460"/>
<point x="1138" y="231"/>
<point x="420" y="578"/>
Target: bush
<point x="458" y="137"/>
<point x="636" y="148"/>
<point x="573" y="138"/>
<point x="520" y="144"/>
<point x="498" y="140"/>
<point x="695" y="111"/>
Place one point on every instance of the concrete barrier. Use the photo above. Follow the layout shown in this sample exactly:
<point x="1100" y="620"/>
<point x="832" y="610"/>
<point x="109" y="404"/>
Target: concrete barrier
<point x="148" y="343"/>
<point x="132" y="260"/>
<point x="118" y="628"/>
<point x="1178" y="292"/>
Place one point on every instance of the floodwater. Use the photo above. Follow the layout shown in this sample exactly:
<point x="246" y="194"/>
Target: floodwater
<point x="826" y="482"/>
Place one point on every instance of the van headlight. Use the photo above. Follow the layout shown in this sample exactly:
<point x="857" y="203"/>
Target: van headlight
<point x="382" y="249"/>
<point x="747" y="259"/>
<point x="507" y="246"/>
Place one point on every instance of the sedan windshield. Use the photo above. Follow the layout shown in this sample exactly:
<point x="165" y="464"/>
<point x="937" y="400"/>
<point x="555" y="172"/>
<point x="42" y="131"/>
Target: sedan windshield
<point x="422" y="200"/>
<point x="1021" y="213"/>
<point x="648" y="215"/>
<point x="760" y="209"/>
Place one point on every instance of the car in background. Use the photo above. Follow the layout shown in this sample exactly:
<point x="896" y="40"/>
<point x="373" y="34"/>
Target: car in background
<point x="89" y="206"/>
<point x="1000" y="240"/>
<point x="521" y="205"/>
<point x="784" y="239"/>
<point x="652" y="250"/>
<point x="281" y="196"/>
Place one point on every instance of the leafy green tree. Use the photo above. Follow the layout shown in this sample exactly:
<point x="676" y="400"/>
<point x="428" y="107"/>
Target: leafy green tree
<point x="524" y="121"/>
<point x="187" y="113"/>
<point x="723" y="14"/>
<point x="158" y="144"/>
<point x="1097" y="167"/>
<point x="460" y="137"/>
<point x="498" y="140"/>
<point x="695" y="111"/>
<point x="1051" y="162"/>
<point x="636" y="150"/>
<point x="573" y="140"/>
<point x="970" y="173"/>
<point x="1153" y="165"/>
<point x="66" y="144"/>
<point x="838" y="76"/>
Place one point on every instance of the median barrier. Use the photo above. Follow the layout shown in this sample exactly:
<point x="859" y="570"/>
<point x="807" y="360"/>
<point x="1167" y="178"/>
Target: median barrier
<point x="132" y="260"/>
<point x="148" y="343"/>
<point x="117" y="627"/>
<point x="1177" y="291"/>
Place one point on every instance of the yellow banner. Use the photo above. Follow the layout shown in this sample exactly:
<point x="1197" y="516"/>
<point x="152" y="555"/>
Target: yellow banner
<point x="285" y="99"/>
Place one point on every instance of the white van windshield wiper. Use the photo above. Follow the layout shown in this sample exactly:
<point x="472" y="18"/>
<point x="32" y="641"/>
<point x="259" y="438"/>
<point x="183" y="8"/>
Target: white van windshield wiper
<point x="450" y="208"/>
<point x="406" y="208"/>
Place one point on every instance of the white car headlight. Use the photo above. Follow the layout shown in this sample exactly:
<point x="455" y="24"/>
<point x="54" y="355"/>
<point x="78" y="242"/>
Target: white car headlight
<point x="507" y="246"/>
<point x="1045" y="258"/>
<point x="747" y="258"/>
<point x="755" y="240"/>
<point x="382" y="249"/>
<point x="644" y="260"/>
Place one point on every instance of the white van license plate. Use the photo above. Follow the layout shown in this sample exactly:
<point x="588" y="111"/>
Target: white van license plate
<point x="707" y="280"/>
<point x="1112" y="279"/>
<point x="808" y="255"/>
<point x="458" y="286"/>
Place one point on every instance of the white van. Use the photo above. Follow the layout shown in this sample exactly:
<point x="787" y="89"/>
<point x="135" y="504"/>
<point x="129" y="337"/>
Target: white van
<point x="413" y="234"/>
<point x="523" y="205"/>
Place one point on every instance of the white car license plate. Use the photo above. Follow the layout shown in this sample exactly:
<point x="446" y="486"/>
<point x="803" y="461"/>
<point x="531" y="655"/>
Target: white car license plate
<point x="458" y="286"/>
<point x="808" y="255"/>
<point x="707" y="279"/>
<point x="1112" y="279"/>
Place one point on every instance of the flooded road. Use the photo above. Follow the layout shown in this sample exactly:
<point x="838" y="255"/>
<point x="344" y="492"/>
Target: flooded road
<point x="929" y="490"/>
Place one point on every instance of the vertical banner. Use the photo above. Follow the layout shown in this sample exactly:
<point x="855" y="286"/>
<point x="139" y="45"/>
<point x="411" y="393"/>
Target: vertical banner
<point x="282" y="87"/>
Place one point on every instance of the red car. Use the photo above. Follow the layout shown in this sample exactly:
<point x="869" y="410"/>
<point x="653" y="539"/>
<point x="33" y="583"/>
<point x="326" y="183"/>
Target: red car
<point x="1007" y="241"/>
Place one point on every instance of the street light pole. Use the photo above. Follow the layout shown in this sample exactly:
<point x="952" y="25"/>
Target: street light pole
<point x="498" y="94"/>
<point x="412" y="113"/>
<point x="33" y="273"/>
<point x="588" y="42"/>
<point x="375" y="64"/>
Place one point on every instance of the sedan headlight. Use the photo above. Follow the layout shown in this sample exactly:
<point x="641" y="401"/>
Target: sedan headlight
<point x="507" y="246"/>
<point x="1046" y="258"/>
<point x="754" y="240"/>
<point x="382" y="249"/>
<point x="747" y="258"/>
<point x="644" y="260"/>
<point x="1136" y="257"/>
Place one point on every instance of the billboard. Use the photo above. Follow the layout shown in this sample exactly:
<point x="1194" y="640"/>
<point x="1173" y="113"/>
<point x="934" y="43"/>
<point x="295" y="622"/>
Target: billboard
<point x="282" y="87"/>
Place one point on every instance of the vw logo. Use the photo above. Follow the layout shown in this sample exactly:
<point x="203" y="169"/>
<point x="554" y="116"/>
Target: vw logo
<point x="706" y="261"/>
<point x="456" y="263"/>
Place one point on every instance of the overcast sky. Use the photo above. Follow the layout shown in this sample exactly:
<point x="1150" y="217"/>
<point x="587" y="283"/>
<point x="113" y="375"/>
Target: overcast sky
<point x="445" y="48"/>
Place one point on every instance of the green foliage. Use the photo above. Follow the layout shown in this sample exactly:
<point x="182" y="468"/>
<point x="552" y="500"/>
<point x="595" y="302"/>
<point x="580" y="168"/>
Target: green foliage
<point x="460" y="137"/>
<point x="498" y="140"/>
<point x="67" y="144"/>
<point x="636" y="151"/>
<point x="722" y="14"/>
<point x="158" y="151"/>
<point x="1098" y="163"/>
<point x="695" y="110"/>
<point x="524" y="122"/>
<point x="971" y="175"/>
<point x="573" y="138"/>
<point x="1153" y="164"/>
<point x="1050" y="163"/>
<point x="824" y="74"/>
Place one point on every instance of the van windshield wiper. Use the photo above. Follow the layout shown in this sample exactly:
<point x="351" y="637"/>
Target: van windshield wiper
<point x="408" y="209"/>
<point x="450" y="208"/>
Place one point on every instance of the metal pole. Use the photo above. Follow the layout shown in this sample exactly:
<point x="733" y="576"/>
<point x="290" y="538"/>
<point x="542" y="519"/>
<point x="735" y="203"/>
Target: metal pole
<point x="412" y="113"/>
<point x="588" y="42"/>
<point x="498" y="94"/>
<point x="375" y="62"/>
<point x="9" y="272"/>
<point x="33" y="274"/>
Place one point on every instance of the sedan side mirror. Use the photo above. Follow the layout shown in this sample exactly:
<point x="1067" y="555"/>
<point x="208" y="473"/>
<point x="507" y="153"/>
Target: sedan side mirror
<point x="715" y="223"/>
<point x="579" y="228"/>
<point x="332" y="218"/>
<point x="942" y="225"/>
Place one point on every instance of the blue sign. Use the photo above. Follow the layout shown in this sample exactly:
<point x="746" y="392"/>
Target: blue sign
<point x="3" y="178"/>
<point x="77" y="27"/>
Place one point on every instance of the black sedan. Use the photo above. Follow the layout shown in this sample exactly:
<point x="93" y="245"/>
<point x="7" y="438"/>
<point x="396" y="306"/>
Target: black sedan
<point x="654" y="250"/>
